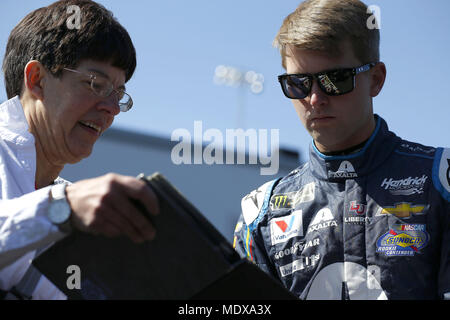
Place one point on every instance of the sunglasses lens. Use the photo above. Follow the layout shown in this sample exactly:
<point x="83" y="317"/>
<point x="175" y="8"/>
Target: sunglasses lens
<point x="337" y="82"/>
<point x="295" y="87"/>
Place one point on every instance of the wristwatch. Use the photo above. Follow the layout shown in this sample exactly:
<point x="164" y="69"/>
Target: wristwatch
<point x="59" y="210"/>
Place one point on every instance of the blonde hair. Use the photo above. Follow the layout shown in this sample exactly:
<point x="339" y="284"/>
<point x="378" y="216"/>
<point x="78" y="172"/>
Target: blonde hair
<point x="324" y="25"/>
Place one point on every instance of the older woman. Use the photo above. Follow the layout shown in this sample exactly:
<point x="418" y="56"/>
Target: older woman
<point x="65" y="85"/>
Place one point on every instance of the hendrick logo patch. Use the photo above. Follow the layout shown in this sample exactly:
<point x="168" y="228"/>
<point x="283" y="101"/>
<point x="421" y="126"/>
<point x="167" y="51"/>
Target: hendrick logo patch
<point x="405" y="187"/>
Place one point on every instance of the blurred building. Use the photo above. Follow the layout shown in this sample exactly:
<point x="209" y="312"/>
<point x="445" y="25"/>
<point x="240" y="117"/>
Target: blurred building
<point x="216" y="190"/>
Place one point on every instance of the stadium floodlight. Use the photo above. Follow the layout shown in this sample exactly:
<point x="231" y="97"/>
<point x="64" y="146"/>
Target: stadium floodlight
<point x="236" y="78"/>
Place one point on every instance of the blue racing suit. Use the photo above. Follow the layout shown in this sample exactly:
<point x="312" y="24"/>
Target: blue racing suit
<point x="374" y="224"/>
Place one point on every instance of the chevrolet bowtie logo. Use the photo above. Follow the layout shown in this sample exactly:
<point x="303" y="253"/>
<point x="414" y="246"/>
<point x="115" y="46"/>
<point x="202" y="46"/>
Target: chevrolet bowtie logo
<point x="403" y="210"/>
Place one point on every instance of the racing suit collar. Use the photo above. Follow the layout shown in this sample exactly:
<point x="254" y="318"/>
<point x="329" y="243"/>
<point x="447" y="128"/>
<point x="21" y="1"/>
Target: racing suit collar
<point x="340" y="168"/>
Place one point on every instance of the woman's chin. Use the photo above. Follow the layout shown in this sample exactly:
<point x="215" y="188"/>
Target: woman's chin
<point x="79" y="153"/>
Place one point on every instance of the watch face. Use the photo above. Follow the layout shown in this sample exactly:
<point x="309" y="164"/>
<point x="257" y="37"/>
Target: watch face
<point x="59" y="211"/>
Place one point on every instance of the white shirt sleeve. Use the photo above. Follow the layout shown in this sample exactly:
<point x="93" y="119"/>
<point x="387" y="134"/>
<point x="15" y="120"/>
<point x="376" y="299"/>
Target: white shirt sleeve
<point x="24" y="226"/>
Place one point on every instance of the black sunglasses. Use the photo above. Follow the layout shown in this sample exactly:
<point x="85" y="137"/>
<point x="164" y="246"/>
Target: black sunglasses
<point x="332" y="82"/>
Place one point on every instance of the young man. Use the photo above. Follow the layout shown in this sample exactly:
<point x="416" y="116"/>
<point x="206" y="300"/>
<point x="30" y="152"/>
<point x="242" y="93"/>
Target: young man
<point x="368" y="216"/>
<point x="65" y="84"/>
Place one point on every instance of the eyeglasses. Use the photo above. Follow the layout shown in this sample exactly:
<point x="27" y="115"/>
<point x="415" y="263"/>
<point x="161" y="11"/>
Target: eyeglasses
<point x="333" y="83"/>
<point x="103" y="87"/>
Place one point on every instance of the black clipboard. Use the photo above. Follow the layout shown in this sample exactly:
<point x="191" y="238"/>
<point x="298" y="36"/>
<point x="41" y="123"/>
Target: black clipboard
<point x="188" y="259"/>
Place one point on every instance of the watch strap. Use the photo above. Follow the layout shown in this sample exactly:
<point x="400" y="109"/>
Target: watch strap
<point x="58" y="191"/>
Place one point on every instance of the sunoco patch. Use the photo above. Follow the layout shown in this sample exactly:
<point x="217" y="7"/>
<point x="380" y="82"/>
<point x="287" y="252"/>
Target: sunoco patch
<point x="403" y="240"/>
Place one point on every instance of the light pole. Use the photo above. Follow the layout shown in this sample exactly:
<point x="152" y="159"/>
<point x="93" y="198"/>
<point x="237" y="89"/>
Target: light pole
<point x="243" y="80"/>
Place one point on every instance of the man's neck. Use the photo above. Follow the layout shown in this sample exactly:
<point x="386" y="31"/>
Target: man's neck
<point x="359" y="139"/>
<point x="347" y="151"/>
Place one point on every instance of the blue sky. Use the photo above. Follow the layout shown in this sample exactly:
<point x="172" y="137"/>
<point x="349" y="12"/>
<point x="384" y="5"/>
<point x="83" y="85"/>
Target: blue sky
<point x="180" y="43"/>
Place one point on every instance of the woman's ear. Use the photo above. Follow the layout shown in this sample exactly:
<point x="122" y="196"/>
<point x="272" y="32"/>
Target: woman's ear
<point x="34" y="73"/>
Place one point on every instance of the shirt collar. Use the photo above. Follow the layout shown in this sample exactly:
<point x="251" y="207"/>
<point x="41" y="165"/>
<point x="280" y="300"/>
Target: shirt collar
<point x="13" y="123"/>
<point x="340" y="168"/>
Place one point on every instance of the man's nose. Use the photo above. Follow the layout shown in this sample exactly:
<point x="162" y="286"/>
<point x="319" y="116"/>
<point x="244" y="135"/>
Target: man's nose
<point x="317" y="97"/>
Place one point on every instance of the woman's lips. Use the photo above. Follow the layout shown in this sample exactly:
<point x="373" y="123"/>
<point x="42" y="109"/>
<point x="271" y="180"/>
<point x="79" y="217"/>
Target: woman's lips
<point x="94" y="131"/>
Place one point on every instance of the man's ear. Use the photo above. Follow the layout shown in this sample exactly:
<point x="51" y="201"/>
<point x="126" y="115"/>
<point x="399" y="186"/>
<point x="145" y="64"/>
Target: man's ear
<point x="34" y="74"/>
<point x="378" y="76"/>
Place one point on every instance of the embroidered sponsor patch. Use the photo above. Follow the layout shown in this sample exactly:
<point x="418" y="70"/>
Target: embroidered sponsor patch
<point x="403" y="240"/>
<point x="345" y="171"/>
<point x="296" y="248"/>
<point x="299" y="264"/>
<point x="323" y="219"/>
<point x="356" y="213"/>
<point x="284" y="228"/>
<point x="253" y="203"/>
<point x="444" y="169"/>
<point x="405" y="187"/>
<point x="403" y="210"/>
<point x="441" y="172"/>
<point x="291" y="199"/>
<point x="417" y="148"/>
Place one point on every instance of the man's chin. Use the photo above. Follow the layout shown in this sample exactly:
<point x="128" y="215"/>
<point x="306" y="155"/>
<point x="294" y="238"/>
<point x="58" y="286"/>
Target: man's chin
<point x="324" y="142"/>
<point x="324" y="137"/>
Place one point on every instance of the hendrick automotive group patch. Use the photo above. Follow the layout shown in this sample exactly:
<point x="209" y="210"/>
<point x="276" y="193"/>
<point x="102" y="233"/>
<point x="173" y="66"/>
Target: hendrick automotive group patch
<point x="403" y="240"/>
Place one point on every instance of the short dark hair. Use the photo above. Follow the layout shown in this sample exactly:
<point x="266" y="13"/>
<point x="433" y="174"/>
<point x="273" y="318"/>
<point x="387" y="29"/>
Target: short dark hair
<point x="44" y="35"/>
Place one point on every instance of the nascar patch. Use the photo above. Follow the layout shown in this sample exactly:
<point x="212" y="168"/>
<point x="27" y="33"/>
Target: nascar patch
<point x="403" y="240"/>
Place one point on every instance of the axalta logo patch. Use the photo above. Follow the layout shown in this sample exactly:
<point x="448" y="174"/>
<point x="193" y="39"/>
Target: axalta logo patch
<point x="284" y="228"/>
<point x="291" y="199"/>
<point x="403" y="210"/>
<point x="403" y="240"/>
<point x="345" y="171"/>
<point x="323" y="219"/>
<point x="406" y="187"/>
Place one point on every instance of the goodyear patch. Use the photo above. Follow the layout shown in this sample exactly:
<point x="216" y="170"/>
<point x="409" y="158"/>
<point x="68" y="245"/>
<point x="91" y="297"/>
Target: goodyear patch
<point x="403" y="240"/>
